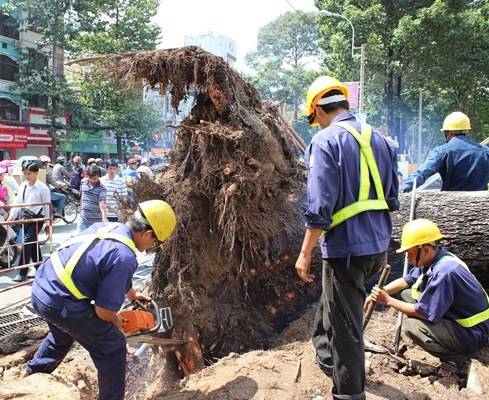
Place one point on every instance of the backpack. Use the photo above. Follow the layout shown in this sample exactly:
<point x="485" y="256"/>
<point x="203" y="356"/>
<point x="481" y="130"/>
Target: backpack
<point x="75" y="178"/>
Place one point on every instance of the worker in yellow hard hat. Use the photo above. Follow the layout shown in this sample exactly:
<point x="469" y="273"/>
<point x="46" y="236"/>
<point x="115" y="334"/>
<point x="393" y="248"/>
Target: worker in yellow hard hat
<point x="447" y="308"/>
<point x="462" y="164"/>
<point x="81" y="287"/>
<point x="352" y="186"/>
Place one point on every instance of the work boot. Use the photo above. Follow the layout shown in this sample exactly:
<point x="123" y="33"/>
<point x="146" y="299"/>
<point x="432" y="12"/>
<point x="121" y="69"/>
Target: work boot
<point x="19" y="278"/>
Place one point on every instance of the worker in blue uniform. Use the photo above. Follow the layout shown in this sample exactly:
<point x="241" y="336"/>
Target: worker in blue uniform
<point x="352" y="186"/>
<point x="462" y="163"/>
<point x="81" y="287"/>
<point x="447" y="308"/>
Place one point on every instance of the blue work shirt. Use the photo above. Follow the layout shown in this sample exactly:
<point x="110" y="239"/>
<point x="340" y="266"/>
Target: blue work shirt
<point x="103" y="274"/>
<point x="333" y="162"/>
<point x="462" y="164"/>
<point x="451" y="292"/>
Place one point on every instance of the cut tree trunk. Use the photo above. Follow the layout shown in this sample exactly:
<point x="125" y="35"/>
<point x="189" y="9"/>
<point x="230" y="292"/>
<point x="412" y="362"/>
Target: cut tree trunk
<point x="463" y="220"/>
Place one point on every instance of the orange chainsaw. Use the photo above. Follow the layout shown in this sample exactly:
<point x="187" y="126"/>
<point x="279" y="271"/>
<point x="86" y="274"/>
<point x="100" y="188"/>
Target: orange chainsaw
<point x="141" y="319"/>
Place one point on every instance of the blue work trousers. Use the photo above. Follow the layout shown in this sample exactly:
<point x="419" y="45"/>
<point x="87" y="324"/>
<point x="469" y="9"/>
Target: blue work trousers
<point x="61" y="199"/>
<point x="103" y="341"/>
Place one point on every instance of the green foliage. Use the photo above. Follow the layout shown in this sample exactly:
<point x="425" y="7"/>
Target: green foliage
<point x="285" y="47"/>
<point x="439" y="47"/>
<point x="82" y="28"/>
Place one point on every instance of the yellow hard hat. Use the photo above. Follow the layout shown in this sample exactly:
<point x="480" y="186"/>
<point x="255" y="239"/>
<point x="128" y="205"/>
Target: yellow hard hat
<point x="318" y="88"/>
<point x="160" y="216"/>
<point x="418" y="232"/>
<point x="456" y="121"/>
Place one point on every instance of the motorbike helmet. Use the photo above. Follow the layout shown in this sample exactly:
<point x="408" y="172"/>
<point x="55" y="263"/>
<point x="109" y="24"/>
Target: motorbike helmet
<point x="45" y="159"/>
<point x="60" y="160"/>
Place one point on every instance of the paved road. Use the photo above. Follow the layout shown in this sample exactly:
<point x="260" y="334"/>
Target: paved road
<point x="17" y="298"/>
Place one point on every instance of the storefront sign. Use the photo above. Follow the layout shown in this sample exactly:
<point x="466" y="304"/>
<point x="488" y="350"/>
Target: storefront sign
<point x="13" y="136"/>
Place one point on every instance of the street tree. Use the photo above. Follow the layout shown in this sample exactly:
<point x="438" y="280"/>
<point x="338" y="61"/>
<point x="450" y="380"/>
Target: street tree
<point x="437" y="47"/>
<point x="79" y="28"/>
<point x="286" y="47"/>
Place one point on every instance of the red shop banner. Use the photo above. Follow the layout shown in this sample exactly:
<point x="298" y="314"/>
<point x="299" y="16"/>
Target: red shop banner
<point x="12" y="136"/>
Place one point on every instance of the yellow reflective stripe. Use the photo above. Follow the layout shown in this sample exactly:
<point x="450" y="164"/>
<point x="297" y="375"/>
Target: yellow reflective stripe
<point x="121" y="238"/>
<point x="357" y="208"/>
<point x="415" y="293"/>
<point x="469" y="322"/>
<point x="65" y="272"/>
<point x="65" y="278"/>
<point x="368" y="168"/>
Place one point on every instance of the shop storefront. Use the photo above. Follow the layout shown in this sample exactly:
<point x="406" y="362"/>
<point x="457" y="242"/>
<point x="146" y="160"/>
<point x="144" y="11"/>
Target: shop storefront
<point x="101" y="143"/>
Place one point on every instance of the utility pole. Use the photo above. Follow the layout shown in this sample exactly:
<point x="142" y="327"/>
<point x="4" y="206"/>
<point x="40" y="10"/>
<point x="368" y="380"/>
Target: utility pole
<point x="420" y="125"/>
<point x="362" y="81"/>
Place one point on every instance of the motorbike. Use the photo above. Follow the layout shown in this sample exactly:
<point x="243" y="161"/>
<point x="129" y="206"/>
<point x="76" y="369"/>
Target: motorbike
<point x="8" y="248"/>
<point x="72" y="205"/>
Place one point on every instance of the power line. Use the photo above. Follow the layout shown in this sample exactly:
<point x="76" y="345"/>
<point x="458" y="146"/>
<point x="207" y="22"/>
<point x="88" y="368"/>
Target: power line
<point x="300" y="14"/>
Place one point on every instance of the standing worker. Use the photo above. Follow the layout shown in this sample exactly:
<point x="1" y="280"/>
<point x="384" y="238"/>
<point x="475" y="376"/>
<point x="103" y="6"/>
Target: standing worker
<point x="447" y="308"/>
<point x="95" y="267"/>
<point x="462" y="163"/>
<point x="353" y="209"/>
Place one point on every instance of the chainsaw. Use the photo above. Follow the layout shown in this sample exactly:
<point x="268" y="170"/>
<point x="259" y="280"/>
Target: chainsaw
<point x="147" y="319"/>
<point x="142" y="323"/>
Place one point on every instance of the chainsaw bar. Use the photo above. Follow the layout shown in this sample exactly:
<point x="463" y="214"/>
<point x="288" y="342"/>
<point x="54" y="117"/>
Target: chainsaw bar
<point x="156" y="340"/>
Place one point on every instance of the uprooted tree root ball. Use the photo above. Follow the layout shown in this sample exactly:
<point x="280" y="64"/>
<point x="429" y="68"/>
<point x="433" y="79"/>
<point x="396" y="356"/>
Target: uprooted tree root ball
<point x="236" y="183"/>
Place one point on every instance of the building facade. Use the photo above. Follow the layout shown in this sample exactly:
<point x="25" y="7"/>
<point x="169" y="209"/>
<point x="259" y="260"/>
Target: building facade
<point x="219" y="45"/>
<point x="23" y="130"/>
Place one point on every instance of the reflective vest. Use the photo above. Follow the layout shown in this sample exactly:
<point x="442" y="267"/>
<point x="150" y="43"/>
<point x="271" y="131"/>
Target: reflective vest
<point x="368" y="169"/>
<point x="468" y="322"/>
<point x="65" y="272"/>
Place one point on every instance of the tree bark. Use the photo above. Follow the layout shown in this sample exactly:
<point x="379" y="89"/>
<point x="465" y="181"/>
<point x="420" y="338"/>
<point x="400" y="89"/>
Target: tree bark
<point x="462" y="219"/>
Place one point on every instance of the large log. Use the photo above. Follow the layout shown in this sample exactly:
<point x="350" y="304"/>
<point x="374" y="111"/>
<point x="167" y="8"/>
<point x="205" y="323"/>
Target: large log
<point x="462" y="218"/>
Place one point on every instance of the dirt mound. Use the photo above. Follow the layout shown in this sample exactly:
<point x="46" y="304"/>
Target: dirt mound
<point x="287" y="372"/>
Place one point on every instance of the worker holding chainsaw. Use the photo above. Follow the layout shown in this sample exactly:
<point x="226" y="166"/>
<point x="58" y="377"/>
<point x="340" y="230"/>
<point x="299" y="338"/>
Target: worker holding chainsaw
<point x="352" y="185"/>
<point x="81" y="287"/>
<point x="462" y="164"/>
<point x="447" y="308"/>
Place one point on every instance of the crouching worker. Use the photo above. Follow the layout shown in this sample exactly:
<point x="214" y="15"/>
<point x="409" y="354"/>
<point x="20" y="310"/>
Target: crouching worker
<point x="447" y="308"/>
<point x="81" y="287"/>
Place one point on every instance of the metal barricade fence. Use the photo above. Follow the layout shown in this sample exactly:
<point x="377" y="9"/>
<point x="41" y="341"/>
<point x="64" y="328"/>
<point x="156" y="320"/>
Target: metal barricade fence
<point x="8" y="249"/>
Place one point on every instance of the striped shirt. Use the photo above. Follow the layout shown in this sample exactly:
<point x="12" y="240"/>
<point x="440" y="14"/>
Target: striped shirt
<point x="91" y="197"/>
<point x="115" y="188"/>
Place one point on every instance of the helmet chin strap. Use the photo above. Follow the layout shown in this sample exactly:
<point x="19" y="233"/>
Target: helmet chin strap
<point x="418" y="255"/>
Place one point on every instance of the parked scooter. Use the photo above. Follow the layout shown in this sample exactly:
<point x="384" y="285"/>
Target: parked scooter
<point x="8" y="248"/>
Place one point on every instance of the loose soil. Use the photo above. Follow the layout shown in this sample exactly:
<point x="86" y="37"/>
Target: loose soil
<point x="286" y="371"/>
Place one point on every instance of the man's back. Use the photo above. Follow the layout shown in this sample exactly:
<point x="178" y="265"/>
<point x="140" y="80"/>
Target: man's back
<point x="60" y="172"/>
<point x="462" y="164"/>
<point x="465" y="165"/>
<point x="334" y="159"/>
